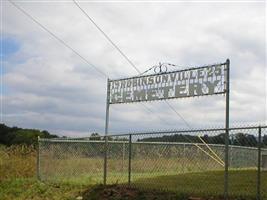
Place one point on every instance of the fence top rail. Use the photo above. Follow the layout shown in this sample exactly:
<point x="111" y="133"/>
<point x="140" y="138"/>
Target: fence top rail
<point x="161" y="132"/>
<point x="187" y="131"/>
<point x="145" y="143"/>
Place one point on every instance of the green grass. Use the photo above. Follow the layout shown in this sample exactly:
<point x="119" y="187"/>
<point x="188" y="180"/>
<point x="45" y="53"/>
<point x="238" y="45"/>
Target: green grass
<point x="18" y="178"/>
<point x="242" y="183"/>
<point x="30" y="188"/>
<point x="67" y="179"/>
<point x="204" y="184"/>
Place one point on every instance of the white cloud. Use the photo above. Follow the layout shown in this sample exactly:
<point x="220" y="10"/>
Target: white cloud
<point x="49" y="87"/>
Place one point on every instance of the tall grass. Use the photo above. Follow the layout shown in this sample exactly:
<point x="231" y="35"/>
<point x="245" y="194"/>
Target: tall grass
<point x="18" y="161"/>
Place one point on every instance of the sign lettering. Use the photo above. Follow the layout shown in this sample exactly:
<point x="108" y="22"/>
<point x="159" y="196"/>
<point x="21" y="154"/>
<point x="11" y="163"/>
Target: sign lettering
<point x="208" y="80"/>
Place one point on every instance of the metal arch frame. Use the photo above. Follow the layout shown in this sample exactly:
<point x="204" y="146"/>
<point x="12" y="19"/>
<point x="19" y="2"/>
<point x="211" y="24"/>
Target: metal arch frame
<point x="162" y="68"/>
<point x="169" y="72"/>
<point x="147" y="87"/>
<point x="227" y="100"/>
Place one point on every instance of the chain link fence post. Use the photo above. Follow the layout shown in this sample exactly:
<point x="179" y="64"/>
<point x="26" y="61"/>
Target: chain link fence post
<point x="183" y="160"/>
<point x="130" y="159"/>
<point x="123" y="156"/>
<point x="259" y="166"/>
<point x="226" y="163"/>
<point x="105" y="159"/>
<point x="38" y="159"/>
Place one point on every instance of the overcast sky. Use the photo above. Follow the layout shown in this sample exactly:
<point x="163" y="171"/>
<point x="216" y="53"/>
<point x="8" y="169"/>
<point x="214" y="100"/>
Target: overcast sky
<point x="47" y="86"/>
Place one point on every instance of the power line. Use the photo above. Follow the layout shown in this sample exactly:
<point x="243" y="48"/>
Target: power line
<point x="60" y="40"/>
<point x="91" y="65"/>
<point x="120" y="51"/>
<point x="187" y="124"/>
<point x="116" y="47"/>
<point x="131" y="63"/>
<point x="151" y="111"/>
<point x="84" y="59"/>
<point x="69" y="47"/>
<point x="107" y="37"/>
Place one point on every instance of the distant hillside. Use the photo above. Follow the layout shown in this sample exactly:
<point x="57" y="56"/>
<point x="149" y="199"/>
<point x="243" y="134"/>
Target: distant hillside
<point x="15" y="135"/>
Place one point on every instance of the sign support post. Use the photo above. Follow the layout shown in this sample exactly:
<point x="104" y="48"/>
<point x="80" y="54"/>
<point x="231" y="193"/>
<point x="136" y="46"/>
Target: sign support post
<point x="226" y="162"/>
<point x="259" y="166"/>
<point x="106" y="132"/>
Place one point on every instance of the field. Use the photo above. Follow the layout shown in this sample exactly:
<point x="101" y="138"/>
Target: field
<point x="18" y="180"/>
<point x="18" y="177"/>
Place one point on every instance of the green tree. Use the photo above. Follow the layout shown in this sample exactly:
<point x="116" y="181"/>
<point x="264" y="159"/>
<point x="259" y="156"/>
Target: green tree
<point x="95" y="136"/>
<point x="15" y="135"/>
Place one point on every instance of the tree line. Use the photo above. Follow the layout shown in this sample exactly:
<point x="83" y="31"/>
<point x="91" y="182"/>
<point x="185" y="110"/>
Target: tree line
<point x="15" y="135"/>
<point x="240" y="139"/>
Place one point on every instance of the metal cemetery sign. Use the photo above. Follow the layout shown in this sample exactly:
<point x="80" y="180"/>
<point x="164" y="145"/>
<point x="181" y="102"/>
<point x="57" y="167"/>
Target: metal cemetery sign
<point x="207" y="80"/>
<point x="199" y="81"/>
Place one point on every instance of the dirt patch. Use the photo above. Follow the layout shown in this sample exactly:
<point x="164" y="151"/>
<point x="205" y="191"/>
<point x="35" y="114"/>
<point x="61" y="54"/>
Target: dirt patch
<point x="122" y="192"/>
<point x="118" y="192"/>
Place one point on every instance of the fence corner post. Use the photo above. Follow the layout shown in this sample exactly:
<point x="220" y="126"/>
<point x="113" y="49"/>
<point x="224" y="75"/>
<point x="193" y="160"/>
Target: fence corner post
<point x="130" y="159"/>
<point x="259" y="165"/>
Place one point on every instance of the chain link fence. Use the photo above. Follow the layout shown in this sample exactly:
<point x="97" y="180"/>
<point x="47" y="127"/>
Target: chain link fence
<point x="190" y="161"/>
